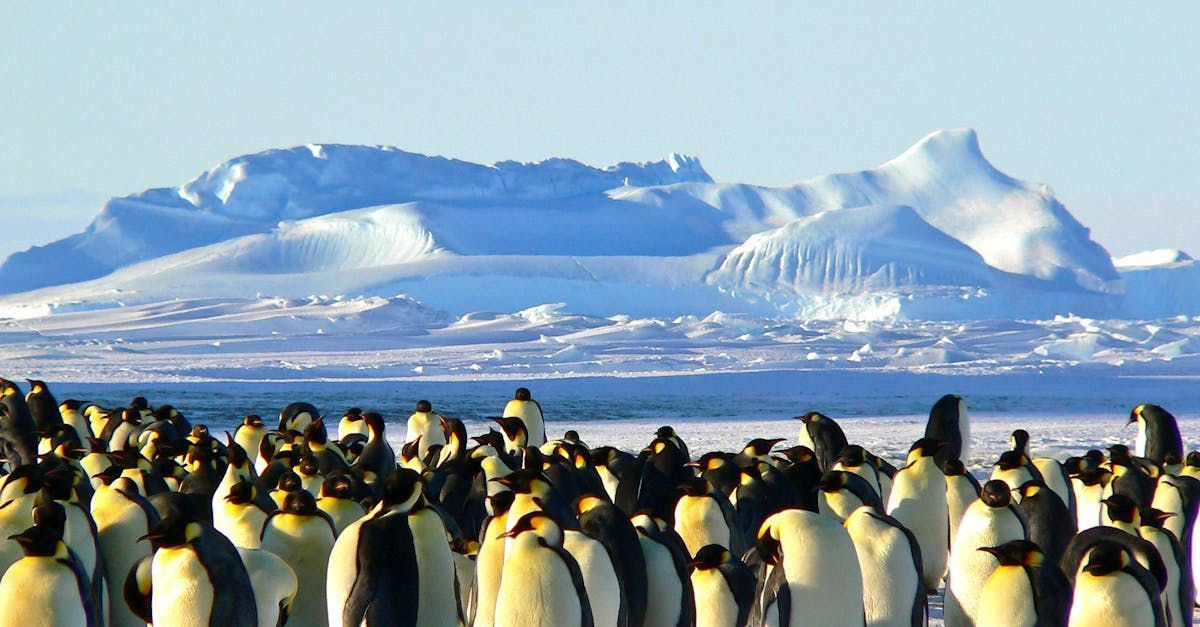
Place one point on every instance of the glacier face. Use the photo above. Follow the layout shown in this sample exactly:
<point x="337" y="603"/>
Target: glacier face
<point x="937" y="232"/>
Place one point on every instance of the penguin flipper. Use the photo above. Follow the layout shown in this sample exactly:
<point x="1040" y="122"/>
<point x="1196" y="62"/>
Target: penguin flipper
<point x="385" y="551"/>
<point x="139" y="589"/>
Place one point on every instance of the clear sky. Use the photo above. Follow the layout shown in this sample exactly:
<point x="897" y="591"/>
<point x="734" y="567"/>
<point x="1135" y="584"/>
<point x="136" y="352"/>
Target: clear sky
<point x="109" y="99"/>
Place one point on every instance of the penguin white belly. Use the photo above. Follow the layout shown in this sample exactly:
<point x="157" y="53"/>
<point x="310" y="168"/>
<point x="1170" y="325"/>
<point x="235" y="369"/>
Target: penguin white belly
<point x="821" y="594"/>
<point x="349" y="427"/>
<point x="959" y="496"/>
<point x="489" y="565"/>
<point x="273" y="582"/>
<point x="242" y="524"/>
<point x="183" y="594"/>
<point x="599" y="577"/>
<point x="806" y="439"/>
<point x="40" y="592"/>
<point x="426" y="427"/>
<point x="970" y="569"/>
<point x="1166" y="498"/>
<point x="889" y="576"/>
<point x="918" y="501"/>
<point x="1014" y="477"/>
<point x="304" y="542"/>
<point x="964" y="430"/>
<point x="464" y="578"/>
<point x="343" y="571"/>
<point x="1088" y="505"/>
<point x="119" y="524"/>
<point x="1113" y="600"/>
<point x="839" y="504"/>
<point x="715" y="605"/>
<point x="15" y="517"/>
<point x="609" y="480"/>
<point x="700" y="522"/>
<point x="438" y="605"/>
<point x="1007" y="600"/>
<point x="78" y="423"/>
<point x="249" y="439"/>
<point x="536" y="589"/>
<point x="1139" y="442"/>
<point x="663" y="588"/>
<point x="78" y="536"/>
<point x="531" y="414"/>
<point x="1171" y="602"/>
<point x="866" y="472"/>
<point x="522" y="504"/>
<point x="342" y="511"/>
<point x="1052" y="474"/>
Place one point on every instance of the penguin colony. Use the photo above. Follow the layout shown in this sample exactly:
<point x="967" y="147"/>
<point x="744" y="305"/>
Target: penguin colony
<point x="134" y="516"/>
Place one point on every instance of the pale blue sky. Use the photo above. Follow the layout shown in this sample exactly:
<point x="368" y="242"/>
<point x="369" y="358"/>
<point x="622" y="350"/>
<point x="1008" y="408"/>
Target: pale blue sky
<point x="1104" y="105"/>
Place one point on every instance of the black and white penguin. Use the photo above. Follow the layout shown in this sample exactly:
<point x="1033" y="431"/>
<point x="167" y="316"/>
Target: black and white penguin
<point x="1111" y="588"/>
<point x="1157" y="433"/>
<point x="824" y="436"/>
<point x="1179" y="594"/>
<point x="195" y="572"/>
<point x="842" y="492"/>
<point x="249" y="435"/>
<point x="394" y="565"/>
<point x="856" y="460"/>
<point x="800" y="547"/>
<point x="668" y="586"/>
<point x="377" y="459"/>
<point x="703" y="516"/>
<point x="529" y="411"/>
<point x="1025" y="590"/>
<point x="351" y="424"/>
<point x="297" y="416"/>
<point x="240" y="515"/>
<point x="337" y="500"/>
<point x="72" y="417"/>
<point x="991" y="521"/>
<point x="17" y="437"/>
<point x="890" y="561"/>
<point x="608" y="525"/>
<point x="723" y="588"/>
<point x="424" y="428"/>
<point x="302" y="535"/>
<point x="47" y="585"/>
<point x="1051" y="525"/>
<point x="962" y="489"/>
<point x="949" y="422"/>
<point x="918" y="501"/>
<point x="541" y="583"/>
<point x="43" y="406"/>
<point x="122" y="516"/>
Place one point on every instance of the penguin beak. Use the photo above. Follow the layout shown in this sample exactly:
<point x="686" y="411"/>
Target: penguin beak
<point x="768" y="549"/>
<point x="992" y="550"/>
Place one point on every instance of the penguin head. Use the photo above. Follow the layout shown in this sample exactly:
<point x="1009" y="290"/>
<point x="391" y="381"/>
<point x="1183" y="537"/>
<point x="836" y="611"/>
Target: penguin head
<point x="811" y="417"/>
<point x="1019" y="441"/>
<point x="1121" y="508"/>
<point x="300" y="503"/>
<point x="1094" y="476"/>
<point x="1192" y="459"/>
<point x="995" y="493"/>
<point x="308" y="466"/>
<point x="587" y="503"/>
<point x="853" y="456"/>
<point x="401" y="488"/>
<point x="767" y="543"/>
<point x="36" y="387"/>
<point x="761" y="447"/>
<point x="1119" y="454"/>
<point x="41" y="541"/>
<point x="464" y="546"/>
<point x="70" y="405"/>
<point x="109" y="475"/>
<point x="289" y="481"/>
<point x="696" y="487"/>
<point x="522" y="394"/>
<point x="1153" y="517"/>
<point x="539" y="523"/>
<point x="315" y="433"/>
<point x="254" y="421"/>
<point x="52" y="516"/>
<point x="525" y="481"/>
<point x="711" y="461"/>
<point x="832" y="481"/>
<point x="500" y="502"/>
<point x="1030" y="488"/>
<point x="58" y="484"/>
<point x="354" y="414"/>
<point x="24" y="479"/>
<point x="139" y="404"/>
<point x="1106" y="558"/>
<point x="237" y="454"/>
<point x="514" y="429"/>
<point x="424" y="407"/>
<point x="572" y="436"/>
<point x="1010" y="460"/>
<point x="241" y="492"/>
<point x="8" y="388"/>
<point x="337" y="486"/>
<point x="954" y="468"/>
<point x="709" y="557"/>
<point x="1017" y="553"/>
<point x="799" y="455"/>
<point x="1093" y="459"/>
<point x="924" y="447"/>
<point x="174" y="530"/>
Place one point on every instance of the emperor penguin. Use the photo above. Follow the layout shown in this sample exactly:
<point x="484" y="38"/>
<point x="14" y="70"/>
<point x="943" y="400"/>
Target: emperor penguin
<point x="541" y="584"/>
<point x="1157" y="433"/>
<point x="489" y="561"/>
<point x="79" y="529"/>
<point x="668" y="587"/>
<point x="337" y="500"/>
<point x="47" y="585"/>
<point x="42" y="406"/>
<point x="274" y="583"/>
<point x="1050" y="524"/>
<point x="991" y="521"/>
<point x="842" y="492"/>
<point x="1179" y="595"/>
<point x="72" y="417"/>
<point x="1113" y="589"/>
<point x="823" y="436"/>
<point x="241" y="516"/>
<point x="962" y="489"/>
<point x="122" y="517"/>
<point x="950" y="423"/>
<point x="1025" y="590"/>
<point x="297" y="416"/>
<point x="17" y="437"/>
<point x="723" y="587"/>
<point x="394" y="565"/>
<point x="529" y="411"/>
<point x="918" y="501"/>
<point x="890" y="561"/>
<point x="351" y="423"/>
<point x="599" y="577"/>
<point x="424" y="428"/>
<point x="195" y="577"/>
<point x="1089" y="487"/>
<point x="855" y="460"/>
<point x="377" y="459"/>
<point x="703" y="516"/>
<point x="607" y="524"/>
<point x="249" y="435"/>
<point x="303" y="536"/>
<point x="815" y="556"/>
